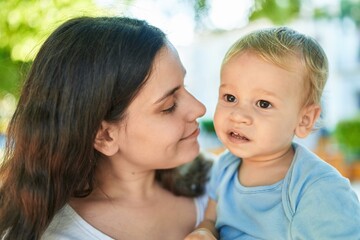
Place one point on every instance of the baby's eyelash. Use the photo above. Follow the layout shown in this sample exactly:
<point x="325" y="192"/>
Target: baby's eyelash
<point x="229" y="98"/>
<point x="264" y="104"/>
<point x="170" y="109"/>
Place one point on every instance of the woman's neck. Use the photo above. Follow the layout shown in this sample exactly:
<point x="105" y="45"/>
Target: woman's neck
<point x="118" y="183"/>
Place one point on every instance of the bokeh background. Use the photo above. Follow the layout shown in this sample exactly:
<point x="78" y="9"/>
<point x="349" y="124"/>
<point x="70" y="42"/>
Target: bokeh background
<point x="202" y="31"/>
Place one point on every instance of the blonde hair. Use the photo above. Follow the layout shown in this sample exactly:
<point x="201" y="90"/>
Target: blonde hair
<point x="281" y="44"/>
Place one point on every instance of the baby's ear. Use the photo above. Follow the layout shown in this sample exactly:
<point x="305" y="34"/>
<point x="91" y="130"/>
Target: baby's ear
<point x="308" y="117"/>
<point x="106" y="139"/>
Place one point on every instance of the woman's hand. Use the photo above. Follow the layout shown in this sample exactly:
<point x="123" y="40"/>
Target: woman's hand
<point x="200" y="234"/>
<point x="206" y="229"/>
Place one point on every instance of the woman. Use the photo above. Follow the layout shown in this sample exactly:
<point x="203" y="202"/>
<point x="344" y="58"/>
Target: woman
<point x="102" y="124"/>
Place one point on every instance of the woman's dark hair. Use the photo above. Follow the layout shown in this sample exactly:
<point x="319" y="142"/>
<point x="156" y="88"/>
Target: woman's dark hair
<point x="87" y="71"/>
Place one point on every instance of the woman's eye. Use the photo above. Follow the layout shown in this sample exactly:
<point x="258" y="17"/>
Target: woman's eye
<point x="170" y="109"/>
<point x="263" y="104"/>
<point x="229" y="98"/>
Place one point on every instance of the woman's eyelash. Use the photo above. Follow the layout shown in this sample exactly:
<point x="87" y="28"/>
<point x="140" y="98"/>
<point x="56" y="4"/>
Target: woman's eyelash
<point x="170" y="109"/>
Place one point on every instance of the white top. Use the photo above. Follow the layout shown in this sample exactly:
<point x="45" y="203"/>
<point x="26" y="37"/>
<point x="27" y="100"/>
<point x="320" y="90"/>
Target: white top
<point x="67" y="224"/>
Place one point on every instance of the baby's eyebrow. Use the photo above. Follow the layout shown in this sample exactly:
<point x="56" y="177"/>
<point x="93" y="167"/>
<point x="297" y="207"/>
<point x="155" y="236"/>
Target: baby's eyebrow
<point x="167" y="94"/>
<point x="223" y="85"/>
<point x="263" y="91"/>
<point x="266" y="93"/>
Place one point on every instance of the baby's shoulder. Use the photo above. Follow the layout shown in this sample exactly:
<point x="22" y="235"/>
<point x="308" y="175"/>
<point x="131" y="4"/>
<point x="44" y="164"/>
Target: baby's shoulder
<point x="226" y="161"/>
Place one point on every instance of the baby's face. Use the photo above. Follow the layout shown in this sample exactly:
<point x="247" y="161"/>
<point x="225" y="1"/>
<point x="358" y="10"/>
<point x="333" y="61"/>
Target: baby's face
<point x="259" y="106"/>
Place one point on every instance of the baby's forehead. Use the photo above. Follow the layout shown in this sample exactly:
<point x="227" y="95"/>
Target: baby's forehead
<point x="292" y="68"/>
<point x="292" y="61"/>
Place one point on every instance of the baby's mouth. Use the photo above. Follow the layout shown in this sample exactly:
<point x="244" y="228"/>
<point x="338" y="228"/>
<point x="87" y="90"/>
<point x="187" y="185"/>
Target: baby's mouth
<point x="238" y="136"/>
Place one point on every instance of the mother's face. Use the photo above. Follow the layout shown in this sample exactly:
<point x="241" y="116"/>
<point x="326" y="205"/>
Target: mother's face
<point x="160" y="129"/>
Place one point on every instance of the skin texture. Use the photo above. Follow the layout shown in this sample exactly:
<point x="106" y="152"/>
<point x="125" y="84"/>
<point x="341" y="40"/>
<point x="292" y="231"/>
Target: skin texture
<point x="160" y="131"/>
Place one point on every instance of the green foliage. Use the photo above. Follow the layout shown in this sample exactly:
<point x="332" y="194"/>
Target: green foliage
<point x="347" y="134"/>
<point x="350" y="9"/>
<point x="201" y="8"/>
<point x="24" y="25"/>
<point x="208" y="125"/>
<point x="277" y="11"/>
<point x="11" y="73"/>
<point x="322" y="13"/>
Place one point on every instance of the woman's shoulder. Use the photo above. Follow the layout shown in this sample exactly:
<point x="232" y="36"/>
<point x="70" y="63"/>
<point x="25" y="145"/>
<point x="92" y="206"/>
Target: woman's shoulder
<point x="67" y="224"/>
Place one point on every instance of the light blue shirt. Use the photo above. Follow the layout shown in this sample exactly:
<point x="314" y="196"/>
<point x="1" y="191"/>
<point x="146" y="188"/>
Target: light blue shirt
<point x="313" y="201"/>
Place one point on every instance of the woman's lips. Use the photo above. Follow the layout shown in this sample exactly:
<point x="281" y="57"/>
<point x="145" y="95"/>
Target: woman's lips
<point x="194" y="134"/>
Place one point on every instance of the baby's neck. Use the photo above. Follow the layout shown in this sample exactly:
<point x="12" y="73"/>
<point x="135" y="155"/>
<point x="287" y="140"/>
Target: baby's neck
<point x="264" y="173"/>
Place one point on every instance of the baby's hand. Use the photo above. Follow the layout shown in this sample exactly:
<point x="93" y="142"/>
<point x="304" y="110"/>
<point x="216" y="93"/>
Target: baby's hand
<point x="200" y="234"/>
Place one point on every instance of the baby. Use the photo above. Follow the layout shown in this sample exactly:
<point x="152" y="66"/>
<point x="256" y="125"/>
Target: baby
<point x="266" y="186"/>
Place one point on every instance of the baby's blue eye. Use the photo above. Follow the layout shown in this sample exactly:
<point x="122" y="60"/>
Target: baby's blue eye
<point x="263" y="104"/>
<point x="229" y="98"/>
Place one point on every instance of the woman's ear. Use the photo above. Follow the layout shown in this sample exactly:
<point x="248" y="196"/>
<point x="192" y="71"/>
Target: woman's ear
<point x="308" y="118"/>
<point x="106" y="139"/>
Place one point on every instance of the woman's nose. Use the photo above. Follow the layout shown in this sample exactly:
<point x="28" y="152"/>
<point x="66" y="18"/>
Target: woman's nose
<point x="195" y="108"/>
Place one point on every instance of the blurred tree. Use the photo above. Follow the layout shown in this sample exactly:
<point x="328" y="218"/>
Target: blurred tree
<point x="350" y="9"/>
<point x="277" y="11"/>
<point x="23" y="26"/>
<point x="201" y="8"/>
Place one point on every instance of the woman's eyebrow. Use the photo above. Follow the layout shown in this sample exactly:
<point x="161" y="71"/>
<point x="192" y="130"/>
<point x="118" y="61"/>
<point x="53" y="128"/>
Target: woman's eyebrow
<point x="167" y="94"/>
